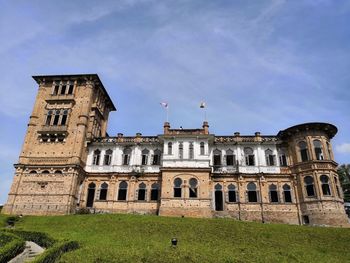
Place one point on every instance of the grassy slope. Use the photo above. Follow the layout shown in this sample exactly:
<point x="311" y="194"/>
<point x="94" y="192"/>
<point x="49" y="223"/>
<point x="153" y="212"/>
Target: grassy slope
<point x="130" y="238"/>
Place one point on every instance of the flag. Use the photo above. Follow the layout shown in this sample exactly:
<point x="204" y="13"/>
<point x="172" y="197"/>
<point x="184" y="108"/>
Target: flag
<point x="202" y="105"/>
<point x="164" y="104"/>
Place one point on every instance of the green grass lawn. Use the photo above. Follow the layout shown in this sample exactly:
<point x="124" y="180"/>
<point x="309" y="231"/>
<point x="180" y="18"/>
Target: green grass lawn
<point x="133" y="238"/>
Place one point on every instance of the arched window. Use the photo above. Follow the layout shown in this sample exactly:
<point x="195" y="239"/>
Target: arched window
<point x="155" y="191"/>
<point x="273" y="194"/>
<point x="108" y="157"/>
<point x="270" y="158"/>
<point x="309" y="185"/>
<point x="56" y="117"/>
<point x="249" y="156"/>
<point x="217" y="157"/>
<point x="177" y="187"/>
<point x="190" y="151"/>
<point x="103" y="191"/>
<point x="48" y="117"/>
<point x="287" y="194"/>
<point x="181" y="150"/>
<point x="156" y="157"/>
<point x="193" y="188"/>
<point x="337" y="186"/>
<point x="202" y="149"/>
<point x="145" y="154"/>
<point x="126" y="156"/>
<point x="282" y="157"/>
<point x="304" y="153"/>
<point x="232" y="193"/>
<point x="123" y="188"/>
<point x="230" y="158"/>
<point x="64" y="117"/>
<point x="318" y="149"/>
<point x="325" y="185"/>
<point x="58" y="172"/>
<point x="252" y="193"/>
<point x="219" y="202"/>
<point x="170" y="148"/>
<point x="33" y="172"/>
<point x="91" y="195"/>
<point x="96" y="157"/>
<point x="45" y="172"/>
<point x="142" y="192"/>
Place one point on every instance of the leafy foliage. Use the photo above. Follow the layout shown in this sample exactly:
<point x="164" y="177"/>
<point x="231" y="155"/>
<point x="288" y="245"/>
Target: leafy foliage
<point x="53" y="253"/>
<point x="10" y="247"/>
<point x="133" y="238"/>
<point x="42" y="239"/>
<point x="344" y="177"/>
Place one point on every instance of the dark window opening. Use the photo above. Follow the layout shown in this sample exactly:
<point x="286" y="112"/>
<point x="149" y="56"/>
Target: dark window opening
<point x="181" y="151"/>
<point x="230" y="158"/>
<point x="126" y="159"/>
<point x="64" y="117"/>
<point x="144" y="159"/>
<point x="177" y="187"/>
<point x="170" y="148"/>
<point x="142" y="192"/>
<point x="108" y="157"/>
<point x="96" y="157"/>
<point x="219" y="204"/>
<point x="318" y="149"/>
<point x="55" y="89"/>
<point x="103" y="191"/>
<point x="232" y="193"/>
<point x="283" y="160"/>
<point x="202" y="148"/>
<point x="155" y="192"/>
<point x="325" y="185"/>
<point x="309" y="184"/>
<point x="193" y="188"/>
<point x="217" y="157"/>
<point x="123" y="186"/>
<point x="287" y="194"/>
<point x="48" y="118"/>
<point x="303" y="151"/>
<point x="306" y="220"/>
<point x="70" y="89"/>
<point x="56" y="118"/>
<point x="252" y="193"/>
<point x="91" y="195"/>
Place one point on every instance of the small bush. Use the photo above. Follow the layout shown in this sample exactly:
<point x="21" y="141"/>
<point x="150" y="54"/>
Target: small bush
<point x="12" y="248"/>
<point x="53" y="253"/>
<point x="11" y="220"/>
<point x="83" y="211"/>
<point x="39" y="238"/>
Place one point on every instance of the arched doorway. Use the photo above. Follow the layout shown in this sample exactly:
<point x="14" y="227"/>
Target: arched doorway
<point x="91" y="195"/>
<point x="219" y="206"/>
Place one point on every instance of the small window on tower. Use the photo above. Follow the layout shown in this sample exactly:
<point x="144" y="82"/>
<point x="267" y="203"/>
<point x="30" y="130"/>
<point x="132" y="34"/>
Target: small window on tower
<point x="63" y="89"/>
<point x="49" y="117"/>
<point x="70" y="89"/>
<point x="57" y="117"/>
<point x="64" y="117"/>
<point x="55" y="89"/>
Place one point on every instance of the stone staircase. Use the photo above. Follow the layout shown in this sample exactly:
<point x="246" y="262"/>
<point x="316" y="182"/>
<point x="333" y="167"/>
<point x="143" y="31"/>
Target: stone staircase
<point x="29" y="253"/>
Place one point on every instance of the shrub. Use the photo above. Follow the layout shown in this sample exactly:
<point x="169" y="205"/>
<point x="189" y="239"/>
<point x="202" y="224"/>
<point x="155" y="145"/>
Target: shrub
<point x="12" y="248"/>
<point x="39" y="238"/>
<point x="53" y="253"/>
<point x="11" y="220"/>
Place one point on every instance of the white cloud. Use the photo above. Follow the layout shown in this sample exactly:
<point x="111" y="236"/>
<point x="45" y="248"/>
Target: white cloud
<point x="343" y="148"/>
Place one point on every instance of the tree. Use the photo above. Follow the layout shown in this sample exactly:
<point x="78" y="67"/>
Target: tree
<point x="344" y="177"/>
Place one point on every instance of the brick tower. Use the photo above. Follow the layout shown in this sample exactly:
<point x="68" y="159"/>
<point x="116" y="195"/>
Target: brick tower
<point x="69" y="111"/>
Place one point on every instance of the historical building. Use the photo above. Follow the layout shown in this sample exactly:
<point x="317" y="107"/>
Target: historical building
<point x="69" y="162"/>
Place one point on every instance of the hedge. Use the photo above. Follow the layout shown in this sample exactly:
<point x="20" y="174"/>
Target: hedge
<point x="53" y="253"/>
<point x="12" y="248"/>
<point x="42" y="239"/>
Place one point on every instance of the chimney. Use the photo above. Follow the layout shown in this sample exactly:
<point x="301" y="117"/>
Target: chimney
<point x="206" y="127"/>
<point x="166" y="127"/>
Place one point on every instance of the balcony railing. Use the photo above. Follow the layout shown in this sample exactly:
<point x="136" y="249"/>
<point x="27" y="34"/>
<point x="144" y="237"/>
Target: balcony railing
<point x="53" y="128"/>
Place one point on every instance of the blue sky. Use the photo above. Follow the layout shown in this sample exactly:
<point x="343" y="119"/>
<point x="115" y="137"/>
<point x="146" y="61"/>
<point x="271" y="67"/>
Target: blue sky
<point x="259" y="65"/>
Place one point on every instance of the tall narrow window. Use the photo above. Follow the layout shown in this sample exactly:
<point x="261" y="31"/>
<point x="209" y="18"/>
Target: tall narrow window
<point x="230" y="158"/>
<point x="217" y="157"/>
<point x="190" y="151"/>
<point x="155" y="192"/>
<point x="103" y="191"/>
<point x="142" y="192"/>
<point x="252" y="193"/>
<point x="232" y="193"/>
<point x="108" y="157"/>
<point x="123" y="189"/>
<point x="325" y="185"/>
<point x="170" y="148"/>
<point x="177" y="187"/>
<point x="126" y="156"/>
<point x="249" y="156"/>
<point x="329" y="151"/>
<point x="309" y="185"/>
<point x="55" y="89"/>
<point x="56" y="118"/>
<point x="63" y="89"/>
<point x="202" y="151"/>
<point x="49" y="117"/>
<point x="144" y="160"/>
<point x="96" y="157"/>
<point x="318" y="149"/>
<point x="70" y="89"/>
<point x="181" y="150"/>
<point x="193" y="188"/>
<point x="282" y="157"/>
<point x="156" y="157"/>
<point x="273" y="193"/>
<point x="91" y="195"/>
<point x="304" y="153"/>
<point x="287" y="194"/>
<point x="64" y="117"/>
<point x="270" y="158"/>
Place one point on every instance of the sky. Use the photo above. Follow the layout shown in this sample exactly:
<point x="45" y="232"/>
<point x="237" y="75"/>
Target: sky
<point x="259" y="65"/>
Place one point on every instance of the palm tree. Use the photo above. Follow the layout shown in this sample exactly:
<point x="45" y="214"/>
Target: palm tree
<point x="344" y="177"/>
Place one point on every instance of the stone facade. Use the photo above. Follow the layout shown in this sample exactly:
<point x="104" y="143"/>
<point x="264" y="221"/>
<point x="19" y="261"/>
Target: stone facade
<point x="69" y="162"/>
